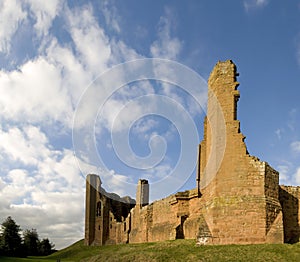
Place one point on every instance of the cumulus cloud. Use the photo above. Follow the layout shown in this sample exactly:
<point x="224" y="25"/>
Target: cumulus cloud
<point x="27" y="145"/>
<point x="11" y="16"/>
<point x="56" y="215"/>
<point x="34" y="94"/>
<point x="48" y="195"/>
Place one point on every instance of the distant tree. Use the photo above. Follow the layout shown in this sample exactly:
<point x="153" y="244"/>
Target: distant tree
<point x="1" y="251"/>
<point x="31" y="242"/>
<point x="46" y="247"/>
<point x="11" y="242"/>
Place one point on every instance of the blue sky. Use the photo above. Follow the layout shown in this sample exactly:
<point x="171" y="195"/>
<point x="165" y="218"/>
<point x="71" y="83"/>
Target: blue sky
<point x="51" y="52"/>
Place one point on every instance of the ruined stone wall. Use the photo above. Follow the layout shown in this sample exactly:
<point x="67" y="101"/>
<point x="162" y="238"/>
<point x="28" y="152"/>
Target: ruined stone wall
<point x="118" y="231"/>
<point x="190" y="209"/>
<point x="239" y="208"/>
<point x="107" y="219"/>
<point x="139" y="224"/>
<point x="154" y="222"/>
<point x="289" y="197"/>
<point x="274" y="219"/>
<point x="163" y="220"/>
<point x="101" y="216"/>
<point x="236" y="202"/>
<point x="174" y="217"/>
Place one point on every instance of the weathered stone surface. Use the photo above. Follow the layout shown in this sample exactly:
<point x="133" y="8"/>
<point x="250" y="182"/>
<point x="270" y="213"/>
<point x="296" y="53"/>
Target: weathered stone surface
<point x="237" y="199"/>
<point x="289" y="198"/>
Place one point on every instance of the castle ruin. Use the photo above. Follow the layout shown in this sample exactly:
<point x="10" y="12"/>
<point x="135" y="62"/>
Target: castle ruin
<point x="238" y="199"/>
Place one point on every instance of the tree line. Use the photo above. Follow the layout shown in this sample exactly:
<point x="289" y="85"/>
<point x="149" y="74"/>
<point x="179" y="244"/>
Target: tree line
<point x="12" y="243"/>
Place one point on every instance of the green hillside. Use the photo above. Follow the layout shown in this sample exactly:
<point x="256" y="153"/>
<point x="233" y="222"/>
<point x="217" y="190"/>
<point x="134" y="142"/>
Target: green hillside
<point x="178" y="250"/>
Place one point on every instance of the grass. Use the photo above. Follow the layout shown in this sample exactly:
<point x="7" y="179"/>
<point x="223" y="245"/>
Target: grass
<point x="177" y="250"/>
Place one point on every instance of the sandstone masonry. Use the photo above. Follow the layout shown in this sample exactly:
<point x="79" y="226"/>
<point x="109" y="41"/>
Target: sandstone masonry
<point x="237" y="200"/>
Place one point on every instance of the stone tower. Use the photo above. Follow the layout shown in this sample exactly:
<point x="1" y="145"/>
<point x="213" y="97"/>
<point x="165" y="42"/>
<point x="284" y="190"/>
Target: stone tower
<point x="241" y="192"/>
<point x="93" y="184"/>
<point x="142" y="193"/>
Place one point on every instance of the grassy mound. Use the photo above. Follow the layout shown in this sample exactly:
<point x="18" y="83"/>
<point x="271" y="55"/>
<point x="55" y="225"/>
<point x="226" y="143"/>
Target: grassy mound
<point x="177" y="250"/>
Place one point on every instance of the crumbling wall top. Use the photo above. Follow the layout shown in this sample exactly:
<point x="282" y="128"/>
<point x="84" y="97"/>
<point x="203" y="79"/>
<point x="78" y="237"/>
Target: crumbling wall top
<point x="225" y="71"/>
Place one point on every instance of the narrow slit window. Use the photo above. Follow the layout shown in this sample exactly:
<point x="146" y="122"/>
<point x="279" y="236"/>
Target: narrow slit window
<point x="98" y="209"/>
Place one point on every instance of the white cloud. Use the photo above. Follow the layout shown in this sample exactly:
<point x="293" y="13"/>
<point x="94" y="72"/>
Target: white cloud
<point x="30" y="147"/>
<point x="41" y="186"/>
<point x="284" y="173"/>
<point x="117" y="182"/>
<point x="278" y="133"/>
<point x="169" y="47"/>
<point x="74" y="76"/>
<point x="48" y="88"/>
<point x="160" y="172"/>
<point x="11" y="15"/>
<point x="295" y="146"/>
<point x="35" y="94"/>
<point x="254" y="4"/>
<point x="19" y="184"/>
<point x="49" y="195"/>
<point x="140" y="88"/>
<point x="166" y="46"/>
<point x="261" y="2"/>
<point x="44" y="12"/>
<point x="122" y="53"/>
<point x="56" y="215"/>
<point x="144" y="125"/>
<point x="116" y="116"/>
<point x="27" y="145"/>
<point x="125" y="106"/>
<point x="292" y="119"/>
<point x="145" y="129"/>
<point x="110" y="15"/>
<point x="90" y="39"/>
<point x="297" y="175"/>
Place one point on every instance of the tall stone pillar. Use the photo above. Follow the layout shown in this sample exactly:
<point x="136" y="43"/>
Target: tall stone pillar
<point x="93" y="183"/>
<point x="142" y="193"/>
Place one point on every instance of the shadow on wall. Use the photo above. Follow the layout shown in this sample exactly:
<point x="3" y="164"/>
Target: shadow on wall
<point x="180" y="228"/>
<point x="288" y="197"/>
